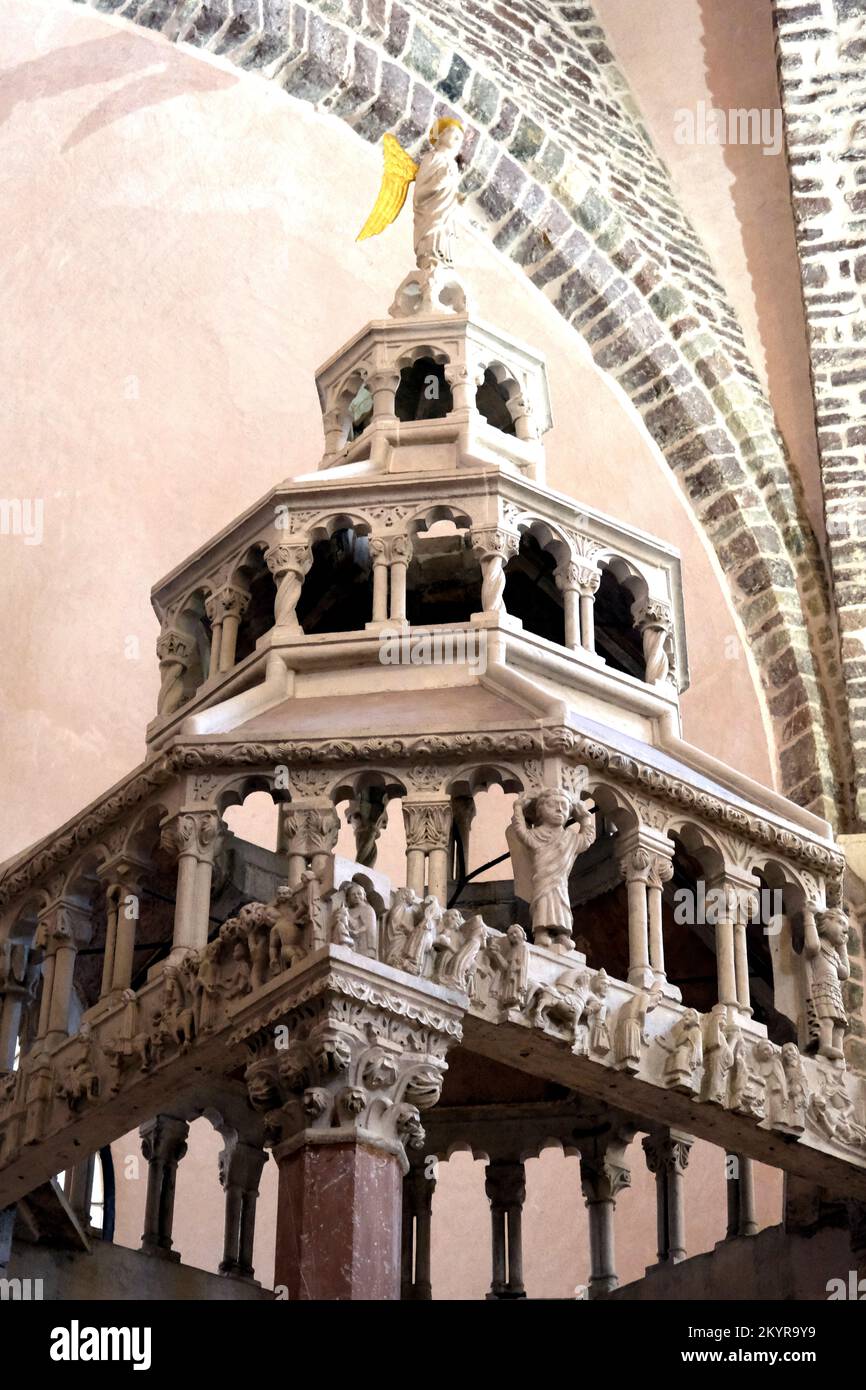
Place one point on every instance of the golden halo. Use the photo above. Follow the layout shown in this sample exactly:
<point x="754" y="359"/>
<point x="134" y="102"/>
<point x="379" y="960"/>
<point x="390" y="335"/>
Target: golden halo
<point x="437" y="127"/>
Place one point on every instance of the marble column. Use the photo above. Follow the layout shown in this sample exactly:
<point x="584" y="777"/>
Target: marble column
<point x="194" y="837"/>
<point x="240" y="1171"/>
<point x="418" y="1189"/>
<point x="667" y="1155"/>
<point x="494" y="546"/>
<point x="163" y="1143"/>
<point x="401" y="554"/>
<point x="652" y="618"/>
<point x="740" y="1183"/>
<point x="505" y="1186"/>
<point x="603" y="1175"/>
<point x="289" y="563"/>
<point x="428" y="832"/>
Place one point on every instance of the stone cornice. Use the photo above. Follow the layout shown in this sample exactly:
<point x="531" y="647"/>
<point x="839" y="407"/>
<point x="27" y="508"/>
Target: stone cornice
<point x="25" y="870"/>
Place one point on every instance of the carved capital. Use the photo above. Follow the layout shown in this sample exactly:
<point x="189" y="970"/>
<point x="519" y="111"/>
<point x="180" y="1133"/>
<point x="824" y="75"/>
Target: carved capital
<point x="192" y="832"/>
<point x="286" y="558"/>
<point x="164" y="1139"/>
<point x="174" y="647"/>
<point x="581" y="578"/>
<point x="636" y="865"/>
<point x="666" y="1152"/>
<point x="652" y="613"/>
<point x="505" y="1185"/>
<point x="352" y="1059"/>
<point x="310" y="830"/>
<point x="494" y="542"/>
<point x="227" y="602"/>
<point x="428" y="824"/>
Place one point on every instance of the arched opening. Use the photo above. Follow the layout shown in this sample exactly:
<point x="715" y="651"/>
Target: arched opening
<point x="360" y="410"/>
<point x="774" y="946"/>
<point x="530" y="590"/>
<point x="193" y="621"/>
<point x="443" y="581"/>
<point x="254" y="576"/>
<point x="338" y="591"/>
<point x="690" y="940"/>
<point x="491" y="400"/>
<point x="617" y="639"/>
<point x="423" y="393"/>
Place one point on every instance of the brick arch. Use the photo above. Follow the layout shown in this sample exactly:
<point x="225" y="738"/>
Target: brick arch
<point x="562" y="176"/>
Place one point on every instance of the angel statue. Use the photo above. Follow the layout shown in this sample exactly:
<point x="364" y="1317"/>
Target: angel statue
<point x="433" y="287"/>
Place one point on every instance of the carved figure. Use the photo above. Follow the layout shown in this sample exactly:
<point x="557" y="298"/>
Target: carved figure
<point x="596" y="1013"/>
<point x="747" y="1084"/>
<point x="630" y="1034"/>
<point x="719" y="1056"/>
<point x="447" y="944"/>
<point x="363" y="926"/>
<point x="400" y="921"/>
<point x="769" y="1060"/>
<point x="798" y="1087"/>
<point x="825" y="948"/>
<point x="430" y="288"/>
<point x="341" y="933"/>
<point x="553" y="845"/>
<point x="286" y="938"/>
<point x="515" y="956"/>
<point x="831" y="1109"/>
<point x="684" y="1047"/>
<point x="561" y="1004"/>
<point x="419" y="942"/>
<point x="238" y="980"/>
<point x="176" y="1018"/>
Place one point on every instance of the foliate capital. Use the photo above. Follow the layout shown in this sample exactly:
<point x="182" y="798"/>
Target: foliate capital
<point x="310" y="830"/>
<point x="284" y="558"/>
<point x="428" y="824"/>
<point x="227" y="602"/>
<point x="192" y="832"/>
<point x="495" y="542"/>
<point x="585" y="579"/>
<point x="175" y="647"/>
<point x="351" y="1059"/>
<point x="652" y="613"/>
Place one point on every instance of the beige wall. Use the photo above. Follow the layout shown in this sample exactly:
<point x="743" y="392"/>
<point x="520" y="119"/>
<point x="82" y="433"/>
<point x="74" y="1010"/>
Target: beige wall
<point x="179" y="258"/>
<point x="676" y="54"/>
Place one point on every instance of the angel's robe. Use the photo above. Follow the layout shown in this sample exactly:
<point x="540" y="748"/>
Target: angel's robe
<point x="436" y="186"/>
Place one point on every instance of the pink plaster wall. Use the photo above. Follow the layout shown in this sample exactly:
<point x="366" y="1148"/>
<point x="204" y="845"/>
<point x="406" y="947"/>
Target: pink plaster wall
<point x="179" y="258"/>
<point x="737" y="197"/>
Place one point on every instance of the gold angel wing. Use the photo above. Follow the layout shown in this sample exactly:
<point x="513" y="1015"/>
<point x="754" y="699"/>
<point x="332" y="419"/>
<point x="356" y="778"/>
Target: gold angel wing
<point x="400" y="170"/>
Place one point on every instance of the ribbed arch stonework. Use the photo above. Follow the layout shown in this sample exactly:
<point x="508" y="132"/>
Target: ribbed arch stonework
<point x="561" y="174"/>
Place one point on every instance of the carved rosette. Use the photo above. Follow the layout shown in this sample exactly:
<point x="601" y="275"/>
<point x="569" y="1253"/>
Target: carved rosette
<point x="351" y="1061"/>
<point x="428" y="824"/>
